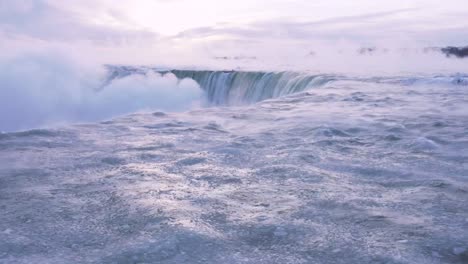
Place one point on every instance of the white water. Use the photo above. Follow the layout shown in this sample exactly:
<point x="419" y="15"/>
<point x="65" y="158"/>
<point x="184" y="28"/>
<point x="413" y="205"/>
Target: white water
<point x="355" y="170"/>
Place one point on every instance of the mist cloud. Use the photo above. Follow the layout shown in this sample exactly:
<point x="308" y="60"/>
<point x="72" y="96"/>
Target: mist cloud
<point x="43" y="90"/>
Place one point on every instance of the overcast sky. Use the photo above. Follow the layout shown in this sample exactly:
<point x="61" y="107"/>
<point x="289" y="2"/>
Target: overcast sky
<point x="196" y="25"/>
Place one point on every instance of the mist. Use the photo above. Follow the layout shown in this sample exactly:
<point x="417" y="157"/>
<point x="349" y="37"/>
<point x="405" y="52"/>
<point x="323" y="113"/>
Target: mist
<point x="48" y="89"/>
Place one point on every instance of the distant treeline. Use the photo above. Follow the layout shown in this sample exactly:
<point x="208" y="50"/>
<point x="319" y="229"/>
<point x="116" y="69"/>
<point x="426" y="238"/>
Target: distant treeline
<point x="459" y="52"/>
<point x="449" y="51"/>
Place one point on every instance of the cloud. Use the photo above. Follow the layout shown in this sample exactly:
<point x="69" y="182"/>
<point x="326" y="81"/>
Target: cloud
<point x="402" y="25"/>
<point x="51" y="21"/>
<point x="338" y="20"/>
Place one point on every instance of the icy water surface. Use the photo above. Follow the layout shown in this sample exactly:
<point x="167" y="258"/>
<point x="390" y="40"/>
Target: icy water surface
<point x="348" y="172"/>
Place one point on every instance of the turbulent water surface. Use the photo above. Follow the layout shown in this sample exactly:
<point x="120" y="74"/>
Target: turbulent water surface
<point x="280" y="168"/>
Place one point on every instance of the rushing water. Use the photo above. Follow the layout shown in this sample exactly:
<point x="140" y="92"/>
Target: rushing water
<point x="280" y="168"/>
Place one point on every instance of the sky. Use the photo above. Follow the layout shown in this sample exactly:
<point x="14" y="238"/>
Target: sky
<point x="141" y="30"/>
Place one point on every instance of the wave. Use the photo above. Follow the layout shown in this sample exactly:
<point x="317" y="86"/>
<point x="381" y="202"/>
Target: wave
<point x="446" y="80"/>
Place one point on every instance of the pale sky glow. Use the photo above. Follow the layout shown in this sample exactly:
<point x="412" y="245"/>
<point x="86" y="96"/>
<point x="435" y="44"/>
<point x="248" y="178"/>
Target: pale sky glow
<point x="171" y="17"/>
<point x="213" y="26"/>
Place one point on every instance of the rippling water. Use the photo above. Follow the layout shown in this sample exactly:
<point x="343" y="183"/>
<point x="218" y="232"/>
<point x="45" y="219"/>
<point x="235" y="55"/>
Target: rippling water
<point x="340" y="170"/>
